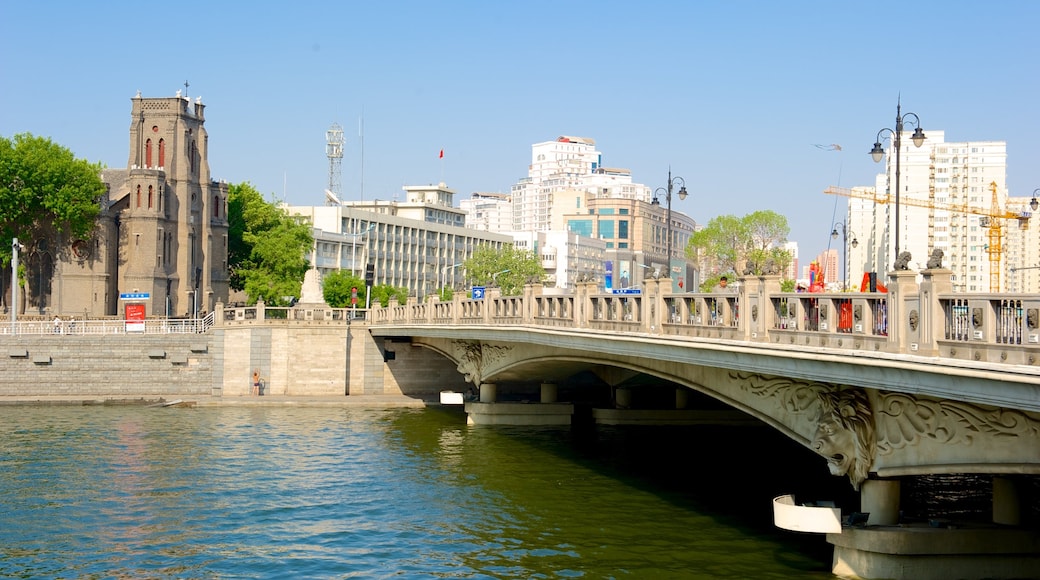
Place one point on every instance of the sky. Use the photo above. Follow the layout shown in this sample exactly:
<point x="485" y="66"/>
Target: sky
<point x="742" y="99"/>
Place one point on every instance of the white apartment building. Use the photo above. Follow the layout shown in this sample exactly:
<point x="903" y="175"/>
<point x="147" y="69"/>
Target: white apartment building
<point x="567" y="163"/>
<point x="566" y="257"/>
<point x="415" y="244"/>
<point x="488" y="212"/>
<point x="1022" y="246"/>
<point x="954" y="198"/>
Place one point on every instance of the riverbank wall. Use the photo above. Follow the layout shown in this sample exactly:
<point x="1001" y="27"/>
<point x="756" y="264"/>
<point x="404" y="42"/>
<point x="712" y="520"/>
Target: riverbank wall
<point x="310" y="359"/>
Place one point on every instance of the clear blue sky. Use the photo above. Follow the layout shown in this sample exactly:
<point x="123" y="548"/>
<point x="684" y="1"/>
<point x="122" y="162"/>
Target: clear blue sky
<point x="731" y="95"/>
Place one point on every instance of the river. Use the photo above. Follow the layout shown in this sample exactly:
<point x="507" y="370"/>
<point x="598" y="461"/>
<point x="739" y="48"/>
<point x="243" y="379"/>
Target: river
<point x="291" y="492"/>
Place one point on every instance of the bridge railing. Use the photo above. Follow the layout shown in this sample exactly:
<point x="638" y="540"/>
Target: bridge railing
<point x="925" y="318"/>
<point x="84" y="326"/>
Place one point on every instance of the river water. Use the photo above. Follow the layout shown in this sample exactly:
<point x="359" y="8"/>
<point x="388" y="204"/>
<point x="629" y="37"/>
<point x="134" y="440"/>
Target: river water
<point x="289" y="492"/>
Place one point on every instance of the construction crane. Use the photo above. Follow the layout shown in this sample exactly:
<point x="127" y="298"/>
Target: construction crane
<point x="992" y="219"/>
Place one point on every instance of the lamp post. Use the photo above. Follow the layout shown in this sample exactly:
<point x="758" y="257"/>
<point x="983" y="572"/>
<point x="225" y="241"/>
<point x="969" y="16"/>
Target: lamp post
<point x="1033" y="203"/>
<point x="15" y="247"/>
<point x="668" y="216"/>
<point x="845" y="248"/>
<point x="877" y="153"/>
<point x="444" y="275"/>
<point x="353" y="246"/>
<point x="494" y="277"/>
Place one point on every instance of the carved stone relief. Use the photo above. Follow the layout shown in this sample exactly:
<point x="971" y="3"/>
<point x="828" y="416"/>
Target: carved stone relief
<point x="853" y="429"/>
<point x="475" y="357"/>
<point x="906" y="420"/>
<point x="844" y="433"/>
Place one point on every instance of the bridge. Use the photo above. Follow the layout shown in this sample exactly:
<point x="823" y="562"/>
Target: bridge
<point x="918" y="380"/>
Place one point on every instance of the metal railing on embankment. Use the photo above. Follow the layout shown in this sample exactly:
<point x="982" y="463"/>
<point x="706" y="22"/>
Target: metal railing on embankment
<point x="83" y="326"/>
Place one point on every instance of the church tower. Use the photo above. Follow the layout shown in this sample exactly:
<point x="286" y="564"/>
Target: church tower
<point x="172" y="224"/>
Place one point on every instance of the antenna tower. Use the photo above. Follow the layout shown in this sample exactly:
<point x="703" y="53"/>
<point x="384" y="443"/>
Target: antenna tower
<point x="334" y="151"/>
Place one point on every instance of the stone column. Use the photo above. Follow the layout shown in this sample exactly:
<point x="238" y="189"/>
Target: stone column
<point x="260" y="309"/>
<point x="488" y="392"/>
<point x="218" y="314"/>
<point x="548" y="392"/>
<point x="880" y="498"/>
<point x="748" y="298"/>
<point x="931" y="319"/>
<point x="1006" y="507"/>
<point x="682" y="397"/>
<point x="902" y="286"/>
<point x="622" y="398"/>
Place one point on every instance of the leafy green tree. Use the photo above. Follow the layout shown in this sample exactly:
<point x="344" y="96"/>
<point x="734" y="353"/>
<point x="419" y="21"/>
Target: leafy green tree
<point x="728" y="244"/>
<point x="46" y="194"/>
<point x="266" y="247"/>
<point x="446" y="294"/>
<point x="337" y="289"/>
<point x="509" y="268"/>
<point x="383" y="293"/>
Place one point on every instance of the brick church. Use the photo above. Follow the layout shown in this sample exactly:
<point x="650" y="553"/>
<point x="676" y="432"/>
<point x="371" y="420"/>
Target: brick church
<point x="162" y="236"/>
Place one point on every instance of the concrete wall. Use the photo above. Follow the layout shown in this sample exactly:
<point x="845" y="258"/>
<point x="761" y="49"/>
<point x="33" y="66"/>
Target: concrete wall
<point x="120" y="366"/>
<point x="308" y="359"/>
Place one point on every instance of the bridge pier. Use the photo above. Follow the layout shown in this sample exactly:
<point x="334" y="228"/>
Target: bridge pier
<point x="548" y="392"/>
<point x="880" y="499"/>
<point x="922" y="552"/>
<point x="937" y="549"/>
<point x="489" y="412"/>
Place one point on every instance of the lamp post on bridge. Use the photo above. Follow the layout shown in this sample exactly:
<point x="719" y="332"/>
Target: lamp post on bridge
<point x="845" y="232"/>
<point x="877" y="153"/>
<point x="668" y="216"/>
<point x="444" y="275"/>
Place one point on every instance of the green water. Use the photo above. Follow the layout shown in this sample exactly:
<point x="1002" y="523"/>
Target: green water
<point x="109" y="492"/>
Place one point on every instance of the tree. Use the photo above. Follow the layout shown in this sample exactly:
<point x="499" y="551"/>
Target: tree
<point x="46" y="194"/>
<point x="729" y="243"/>
<point x="510" y="268"/>
<point x="338" y="288"/>
<point x="382" y="294"/>
<point x="266" y="247"/>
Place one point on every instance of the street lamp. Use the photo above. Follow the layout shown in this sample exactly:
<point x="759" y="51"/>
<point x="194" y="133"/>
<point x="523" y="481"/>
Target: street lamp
<point x="444" y="274"/>
<point x="494" y="277"/>
<point x="1033" y="204"/>
<point x="353" y="246"/>
<point x="877" y="153"/>
<point x="15" y="247"/>
<point x="845" y="232"/>
<point x="668" y="217"/>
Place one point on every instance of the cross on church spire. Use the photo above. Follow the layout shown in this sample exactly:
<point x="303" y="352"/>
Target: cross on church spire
<point x="185" y="88"/>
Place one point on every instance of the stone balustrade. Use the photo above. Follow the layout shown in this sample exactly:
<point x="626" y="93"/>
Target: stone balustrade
<point x="926" y="319"/>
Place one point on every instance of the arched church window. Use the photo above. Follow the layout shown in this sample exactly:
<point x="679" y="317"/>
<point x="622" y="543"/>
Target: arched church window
<point x="138" y="196"/>
<point x="162" y="152"/>
<point x="148" y="153"/>
<point x="216" y="206"/>
<point x="149" y="197"/>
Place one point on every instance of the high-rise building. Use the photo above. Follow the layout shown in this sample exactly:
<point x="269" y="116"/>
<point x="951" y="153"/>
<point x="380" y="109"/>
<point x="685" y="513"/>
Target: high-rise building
<point x="489" y="212"/>
<point x="566" y="164"/>
<point x="949" y="193"/>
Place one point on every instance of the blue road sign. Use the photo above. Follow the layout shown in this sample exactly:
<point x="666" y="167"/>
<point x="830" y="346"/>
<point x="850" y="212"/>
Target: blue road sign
<point x="478" y="292"/>
<point x="134" y="296"/>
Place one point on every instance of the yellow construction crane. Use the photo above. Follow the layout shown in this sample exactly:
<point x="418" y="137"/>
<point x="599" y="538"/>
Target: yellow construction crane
<point x="992" y="219"/>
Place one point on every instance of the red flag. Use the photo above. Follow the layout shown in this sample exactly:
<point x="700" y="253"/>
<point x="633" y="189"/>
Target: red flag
<point x="442" y="153"/>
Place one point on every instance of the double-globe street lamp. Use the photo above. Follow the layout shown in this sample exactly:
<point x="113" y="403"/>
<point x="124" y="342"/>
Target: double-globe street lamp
<point x="845" y="233"/>
<point x="668" y="217"/>
<point x="878" y="153"/>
